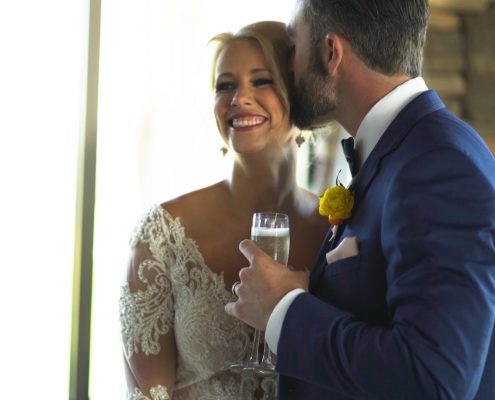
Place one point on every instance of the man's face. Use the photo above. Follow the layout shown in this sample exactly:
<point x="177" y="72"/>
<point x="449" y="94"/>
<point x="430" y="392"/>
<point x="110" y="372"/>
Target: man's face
<point x="313" y="98"/>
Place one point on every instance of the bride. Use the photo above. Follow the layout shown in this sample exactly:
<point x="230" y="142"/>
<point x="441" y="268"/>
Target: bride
<point x="184" y="258"/>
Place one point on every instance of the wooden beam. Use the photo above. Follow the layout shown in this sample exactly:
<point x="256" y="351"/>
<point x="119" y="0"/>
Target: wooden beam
<point x="443" y="20"/>
<point x="460" y="5"/>
<point x="449" y="85"/>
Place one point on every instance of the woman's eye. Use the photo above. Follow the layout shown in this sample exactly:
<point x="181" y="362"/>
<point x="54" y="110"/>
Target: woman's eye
<point x="263" y="81"/>
<point x="224" y="86"/>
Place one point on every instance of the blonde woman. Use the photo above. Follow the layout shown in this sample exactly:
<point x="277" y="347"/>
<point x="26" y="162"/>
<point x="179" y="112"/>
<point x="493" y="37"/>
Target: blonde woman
<point x="176" y="335"/>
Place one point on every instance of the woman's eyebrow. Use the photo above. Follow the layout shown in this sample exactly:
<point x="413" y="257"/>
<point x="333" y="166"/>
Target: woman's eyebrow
<point x="255" y="70"/>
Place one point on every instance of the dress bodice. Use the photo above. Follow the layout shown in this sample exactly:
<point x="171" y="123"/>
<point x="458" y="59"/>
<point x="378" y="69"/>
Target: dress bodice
<point x="177" y="291"/>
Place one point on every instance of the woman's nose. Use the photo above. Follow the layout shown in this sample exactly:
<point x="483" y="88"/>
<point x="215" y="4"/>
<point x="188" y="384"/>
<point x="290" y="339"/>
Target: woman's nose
<point x="242" y="96"/>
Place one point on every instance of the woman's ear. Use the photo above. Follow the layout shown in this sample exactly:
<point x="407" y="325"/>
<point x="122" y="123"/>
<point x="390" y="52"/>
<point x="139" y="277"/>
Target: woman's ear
<point x="334" y="50"/>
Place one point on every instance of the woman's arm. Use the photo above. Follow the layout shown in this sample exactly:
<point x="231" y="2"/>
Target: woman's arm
<point x="146" y="316"/>
<point x="152" y="377"/>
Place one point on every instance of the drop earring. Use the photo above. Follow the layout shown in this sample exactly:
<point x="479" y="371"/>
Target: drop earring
<point x="300" y="139"/>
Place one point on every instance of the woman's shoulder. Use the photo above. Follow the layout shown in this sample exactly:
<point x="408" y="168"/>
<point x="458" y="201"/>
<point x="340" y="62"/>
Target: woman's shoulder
<point x="190" y="207"/>
<point x="151" y="226"/>
<point x="177" y="217"/>
<point x="191" y="202"/>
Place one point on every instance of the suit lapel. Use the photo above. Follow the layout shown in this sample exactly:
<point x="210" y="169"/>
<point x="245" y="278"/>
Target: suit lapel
<point x="393" y="136"/>
<point x="321" y="261"/>
<point x="389" y="141"/>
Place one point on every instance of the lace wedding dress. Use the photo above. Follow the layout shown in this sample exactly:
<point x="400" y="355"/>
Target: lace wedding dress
<point x="181" y="293"/>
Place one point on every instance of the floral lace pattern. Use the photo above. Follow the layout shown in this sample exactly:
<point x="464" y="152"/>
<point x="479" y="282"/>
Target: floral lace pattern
<point x="179" y="292"/>
<point x="158" y="392"/>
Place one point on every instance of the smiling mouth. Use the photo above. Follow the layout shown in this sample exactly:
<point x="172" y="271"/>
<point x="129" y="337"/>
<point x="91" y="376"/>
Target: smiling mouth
<point x="246" y="122"/>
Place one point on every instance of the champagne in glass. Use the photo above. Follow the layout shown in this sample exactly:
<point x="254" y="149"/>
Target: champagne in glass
<point x="273" y="241"/>
<point x="270" y="231"/>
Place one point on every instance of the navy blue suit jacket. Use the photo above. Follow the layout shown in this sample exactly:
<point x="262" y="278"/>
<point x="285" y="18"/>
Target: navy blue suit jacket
<point x="412" y="316"/>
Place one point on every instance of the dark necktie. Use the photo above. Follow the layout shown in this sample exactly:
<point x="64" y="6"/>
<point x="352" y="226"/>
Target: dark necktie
<point x="350" y="156"/>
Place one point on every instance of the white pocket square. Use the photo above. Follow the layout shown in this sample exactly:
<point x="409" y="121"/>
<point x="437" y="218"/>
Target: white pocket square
<point x="347" y="248"/>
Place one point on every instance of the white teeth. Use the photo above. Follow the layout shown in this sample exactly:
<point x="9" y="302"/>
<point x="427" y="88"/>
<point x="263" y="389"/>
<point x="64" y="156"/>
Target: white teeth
<point x="241" y="123"/>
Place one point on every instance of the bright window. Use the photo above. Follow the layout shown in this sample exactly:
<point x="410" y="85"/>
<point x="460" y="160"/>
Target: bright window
<point x="40" y="91"/>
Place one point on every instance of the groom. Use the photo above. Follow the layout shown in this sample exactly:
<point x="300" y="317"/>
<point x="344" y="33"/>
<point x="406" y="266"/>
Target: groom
<point x="401" y="303"/>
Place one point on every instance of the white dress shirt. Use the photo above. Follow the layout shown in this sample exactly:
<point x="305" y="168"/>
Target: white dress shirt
<point x="369" y="132"/>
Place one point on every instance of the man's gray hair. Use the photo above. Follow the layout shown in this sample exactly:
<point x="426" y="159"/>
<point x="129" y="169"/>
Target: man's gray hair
<point x="388" y="35"/>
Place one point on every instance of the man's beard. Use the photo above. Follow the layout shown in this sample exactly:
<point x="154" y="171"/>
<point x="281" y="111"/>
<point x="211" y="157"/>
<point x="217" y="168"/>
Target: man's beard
<point x="314" y="99"/>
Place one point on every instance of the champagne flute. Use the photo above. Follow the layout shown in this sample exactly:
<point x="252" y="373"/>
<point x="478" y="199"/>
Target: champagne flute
<point x="270" y="231"/>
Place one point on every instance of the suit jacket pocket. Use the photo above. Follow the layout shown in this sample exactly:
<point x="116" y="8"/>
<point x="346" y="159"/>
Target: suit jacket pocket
<point x="342" y="266"/>
<point x="339" y="283"/>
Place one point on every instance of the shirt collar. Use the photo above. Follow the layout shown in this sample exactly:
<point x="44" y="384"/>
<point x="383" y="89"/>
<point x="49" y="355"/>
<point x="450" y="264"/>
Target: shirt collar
<point x="382" y="114"/>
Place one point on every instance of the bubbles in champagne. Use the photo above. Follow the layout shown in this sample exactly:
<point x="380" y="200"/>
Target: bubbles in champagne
<point x="273" y="241"/>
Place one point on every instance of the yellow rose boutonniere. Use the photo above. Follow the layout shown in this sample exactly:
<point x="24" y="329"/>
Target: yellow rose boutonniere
<point x="336" y="203"/>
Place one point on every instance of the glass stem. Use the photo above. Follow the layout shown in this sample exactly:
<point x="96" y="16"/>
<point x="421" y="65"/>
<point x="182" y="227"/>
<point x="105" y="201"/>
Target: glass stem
<point x="253" y="356"/>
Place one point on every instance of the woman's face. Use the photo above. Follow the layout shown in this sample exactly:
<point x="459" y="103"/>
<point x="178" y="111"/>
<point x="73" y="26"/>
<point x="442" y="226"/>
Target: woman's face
<point x="248" y="109"/>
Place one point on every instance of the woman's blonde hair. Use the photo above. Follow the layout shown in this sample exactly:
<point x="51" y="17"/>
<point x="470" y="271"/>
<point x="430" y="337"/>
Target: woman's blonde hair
<point x="275" y="45"/>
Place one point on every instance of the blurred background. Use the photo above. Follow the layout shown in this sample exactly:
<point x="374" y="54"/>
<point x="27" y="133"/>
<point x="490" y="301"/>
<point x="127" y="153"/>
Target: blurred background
<point x="107" y="110"/>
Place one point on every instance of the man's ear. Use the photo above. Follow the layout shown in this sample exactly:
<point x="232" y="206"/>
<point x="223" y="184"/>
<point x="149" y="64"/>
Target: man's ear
<point x="334" y="51"/>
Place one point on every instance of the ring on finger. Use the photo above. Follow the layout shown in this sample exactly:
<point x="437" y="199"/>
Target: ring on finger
<point x="234" y="287"/>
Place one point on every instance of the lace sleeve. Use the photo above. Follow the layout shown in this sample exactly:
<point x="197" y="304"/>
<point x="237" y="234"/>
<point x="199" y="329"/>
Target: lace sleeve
<point x="146" y="300"/>
<point x="157" y="393"/>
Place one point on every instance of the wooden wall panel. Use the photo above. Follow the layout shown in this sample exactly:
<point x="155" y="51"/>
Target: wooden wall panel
<point x="459" y="60"/>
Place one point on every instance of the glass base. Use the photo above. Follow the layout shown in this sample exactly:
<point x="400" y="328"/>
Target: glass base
<point x="236" y="367"/>
<point x="252" y="368"/>
<point x="266" y="370"/>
